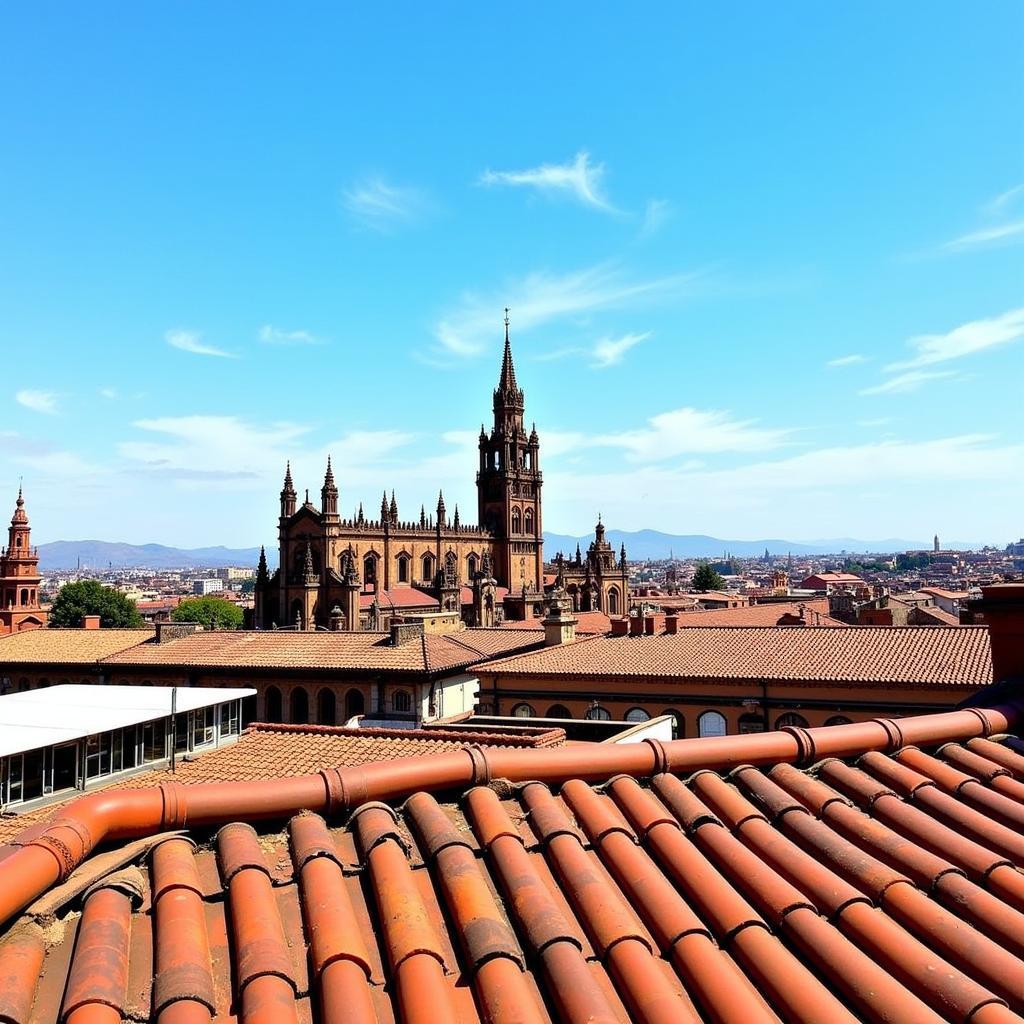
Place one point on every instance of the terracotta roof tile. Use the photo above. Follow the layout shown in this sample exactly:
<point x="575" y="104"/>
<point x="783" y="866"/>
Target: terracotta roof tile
<point x="815" y="613"/>
<point x="68" y="646"/>
<point x="925" y="655"/>
<point x="881" y="886"/>
<point x="339" y="651"/>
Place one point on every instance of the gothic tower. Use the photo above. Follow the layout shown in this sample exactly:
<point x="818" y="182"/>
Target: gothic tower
<point x="509" y="484"/>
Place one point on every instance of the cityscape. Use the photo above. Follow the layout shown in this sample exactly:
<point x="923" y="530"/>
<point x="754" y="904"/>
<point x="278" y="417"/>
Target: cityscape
<point x="514" y="517"/>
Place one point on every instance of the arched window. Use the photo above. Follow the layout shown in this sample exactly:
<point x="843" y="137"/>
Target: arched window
<point x="451" y="565"/>
<point x="403" y="568"/>
<point x="613" y="601"/>
<point x="17" y="541"/>
<point x="839" y="720"/>
<point x="711" y="723"/>
<point x="471" y="567"/>
<point x="529" y="520"/>
<point x="24" y="597"/>
<point x="637" y="715"/>
<point x="517" y="521"/>
<point x="272" y="704"/>
<point x="523" y="711"/>
<point x="790" y="718"/>
<point x="355" y="703"/>
<point x="370" y="569"/>
<point x="402" y="702"/>
<point x="751" y="722"/>
<point x="596" y="713"/>
<point x="325" y="706"/>
<point x="298" y="706"/>
<point x="558" y="711"/>
<point x="678" y="724"/>
<point x="428" y="568"/>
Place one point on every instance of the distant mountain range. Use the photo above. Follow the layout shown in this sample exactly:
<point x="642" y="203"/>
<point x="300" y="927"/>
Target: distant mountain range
<point x="650" y="544"/>
<point x="101" y="554"/>
<point x="640" y="544"/>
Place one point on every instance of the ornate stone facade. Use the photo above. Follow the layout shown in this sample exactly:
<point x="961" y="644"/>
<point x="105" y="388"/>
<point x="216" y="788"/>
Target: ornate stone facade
<point x="328" y="565"/>
<point x="19" y="576"/>
<point x="596" y="581"/>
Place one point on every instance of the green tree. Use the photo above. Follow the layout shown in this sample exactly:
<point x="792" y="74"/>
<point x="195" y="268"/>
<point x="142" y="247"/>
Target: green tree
<point x="206" y="610"/>
<point x="89" y="597"/>
<point x="705" y="578"/>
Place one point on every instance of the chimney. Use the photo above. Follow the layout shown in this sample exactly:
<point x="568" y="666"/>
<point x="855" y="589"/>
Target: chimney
<point x="90" y="622"/>
<point x="620" y="627"/>
<point x="672" y="624"/>
<point x="403" y="632"/>
<point x="636" y="625"/>
<point x="649" y="625"/>
<point x="166" y="631"/>
<point x="559" y="623"/>
<point x="1002" y="609"/>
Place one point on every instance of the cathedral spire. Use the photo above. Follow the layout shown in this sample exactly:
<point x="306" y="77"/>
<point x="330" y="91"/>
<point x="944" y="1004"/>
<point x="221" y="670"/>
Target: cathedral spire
<point x="393" y="510"/>
<point x="423" y="517"/>
<point x="288" y="492"/>
<point x="507" y="382"/>
<point x="455" y="521"/>
<point x="329" y="494"/>
<point x="440" y="509"/>
<point x="384" y="506"/>
<point x="262" y="573"/>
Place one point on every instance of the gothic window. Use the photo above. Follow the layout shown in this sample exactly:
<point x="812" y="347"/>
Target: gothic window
<point x="637" y="715"/>
<point x="403" y="568"/>
<point x="711" y="723"/>
<point x="517" y="521"/>
<point x="596" y="713"/>
<point x="471" y="565"/>
<point x="428" y="568"/>
<point x="272" y="704"/>
<point x="355" y="704"/>
<point x="613" y="601"/>
<point x="370" y="569"/>
<point x="325" y="706"/>
<point x="451" y="566"/>
<point x="17" y="541"/>
<point x="838" y="720"/>
<point x="791" y="718"/>
<point x="298" y="706"/>
<point x="523" y="711"/>
<point x="558" y="711"/>
<point x="529" y="520"/>
<point x="401" y="702"/>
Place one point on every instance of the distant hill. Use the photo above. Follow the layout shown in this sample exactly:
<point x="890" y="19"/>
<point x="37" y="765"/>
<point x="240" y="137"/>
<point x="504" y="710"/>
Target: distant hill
<point x="644" y="544"/>
<point x="100" y="554"/>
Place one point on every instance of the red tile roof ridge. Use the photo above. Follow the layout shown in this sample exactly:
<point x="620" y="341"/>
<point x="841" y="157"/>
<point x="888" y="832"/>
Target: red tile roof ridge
<point x="527" y="737"/>
<point x="49" y="855"/>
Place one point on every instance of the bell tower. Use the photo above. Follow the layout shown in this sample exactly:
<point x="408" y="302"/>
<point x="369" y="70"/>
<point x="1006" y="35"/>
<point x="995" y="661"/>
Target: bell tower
<point x="19" y="576"/>
<point x="509" y="484"/>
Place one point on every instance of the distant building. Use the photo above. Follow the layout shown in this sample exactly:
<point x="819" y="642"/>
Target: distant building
<point x="596" y="581"/>
<point x="829" y="581"/>
<point x="204" y="587"/>
<point x="19" y="577"/>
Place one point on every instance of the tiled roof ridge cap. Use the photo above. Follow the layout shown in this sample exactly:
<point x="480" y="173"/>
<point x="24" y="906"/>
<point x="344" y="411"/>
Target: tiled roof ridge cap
<point x="48" y="856"/>
<point x="521" y="654"/>
<point x="529" y="738"/>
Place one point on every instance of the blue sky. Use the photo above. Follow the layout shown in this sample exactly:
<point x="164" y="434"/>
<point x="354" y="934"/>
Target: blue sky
<point x="765" y="266"/>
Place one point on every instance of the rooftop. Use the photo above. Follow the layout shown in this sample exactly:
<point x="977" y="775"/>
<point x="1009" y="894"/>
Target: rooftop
<point x="911" y="655"/>
<point x="68" y="646"/>
<point x="724" y="879"/>
<point x="59" y="714"/>
<point x="815" y="612"/>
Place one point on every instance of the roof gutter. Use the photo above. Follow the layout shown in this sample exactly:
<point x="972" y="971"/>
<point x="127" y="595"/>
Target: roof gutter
<point x="44" y="855"/>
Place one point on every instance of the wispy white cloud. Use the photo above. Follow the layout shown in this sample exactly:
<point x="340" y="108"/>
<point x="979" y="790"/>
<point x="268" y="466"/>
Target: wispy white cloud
<point x="541" y="298"/>
<point x="578" y="179"/>
<point x="383" y="207"/>
<point x="192" y="341"/>
<point x="689" y="431"/>
<point x="967" y="339"/>
<point x="656" y="213"/>
<point x="37" y="401"/>
<point x="985" y="236"/>
<point x="904" y="382"/>
<point x="850" y="360"/>
<point x="271" y="335"/>
<point x="1001" y="229"/>
<point x="108" y="393"/>
<point x="610" y="351"/>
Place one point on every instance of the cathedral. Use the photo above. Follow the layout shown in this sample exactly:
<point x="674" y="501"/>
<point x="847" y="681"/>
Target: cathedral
<point x="337" y="573"/>
<point x="19" y="576"/>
